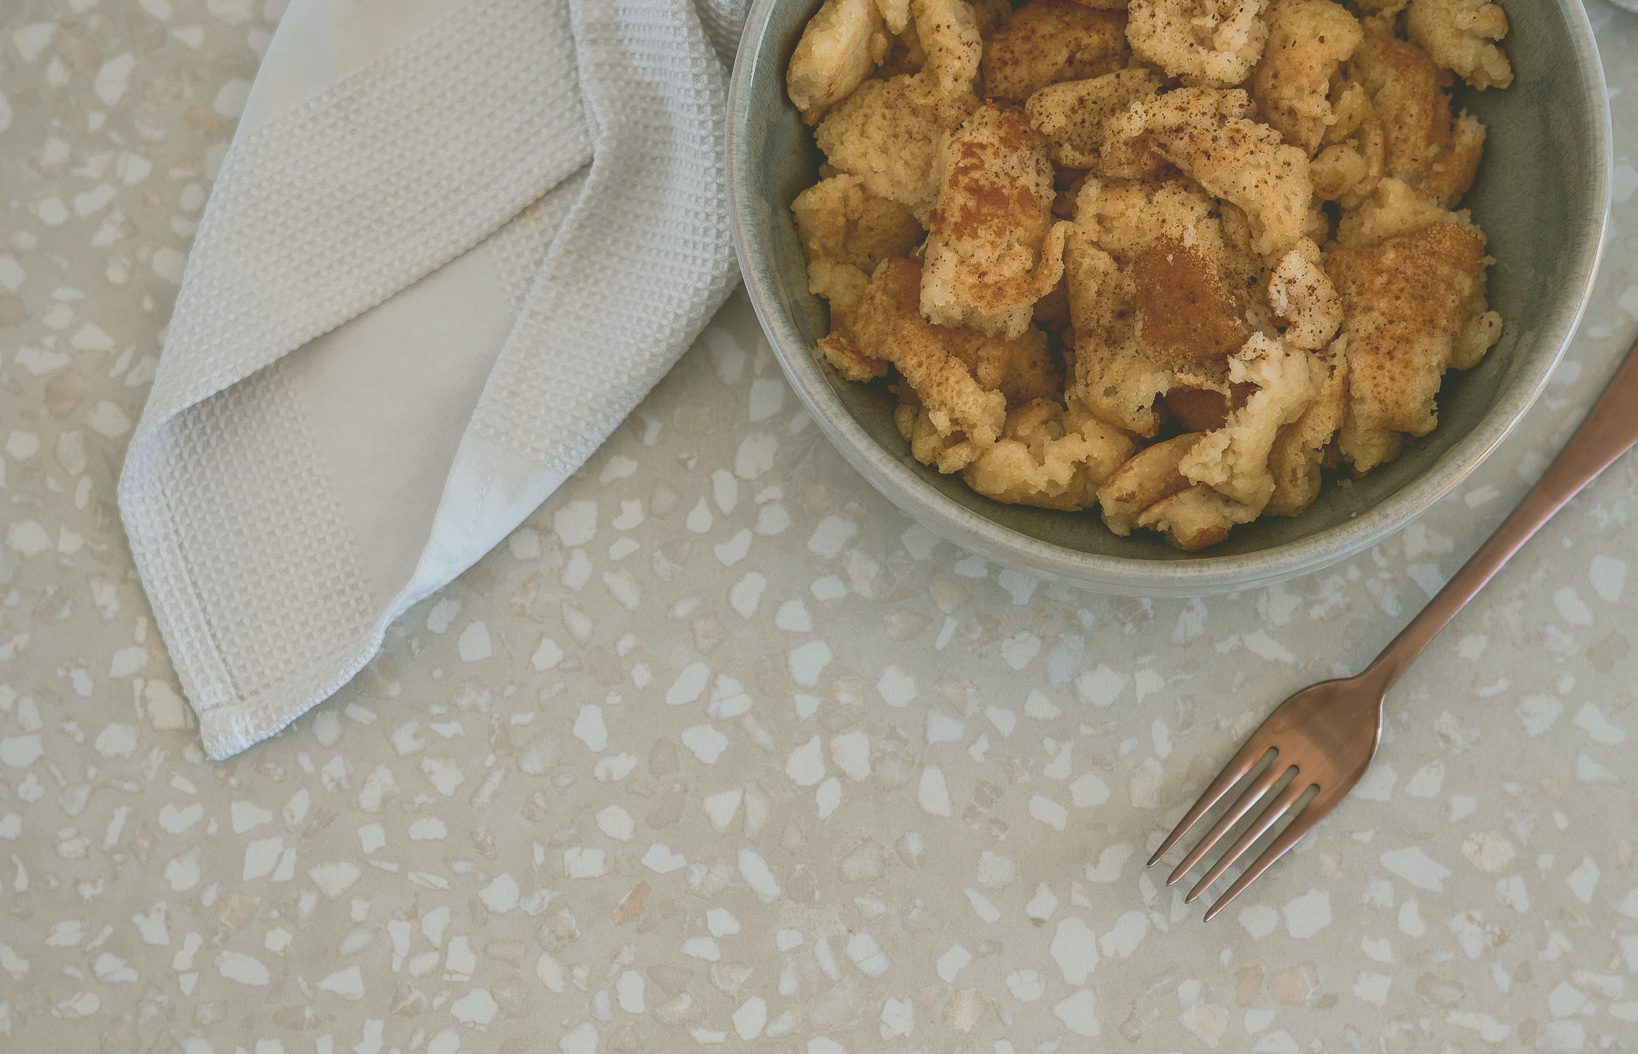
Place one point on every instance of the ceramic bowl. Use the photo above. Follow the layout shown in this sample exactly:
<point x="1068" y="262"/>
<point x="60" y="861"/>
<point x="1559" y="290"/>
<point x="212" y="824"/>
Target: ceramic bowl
<point x="1542" y="197"/>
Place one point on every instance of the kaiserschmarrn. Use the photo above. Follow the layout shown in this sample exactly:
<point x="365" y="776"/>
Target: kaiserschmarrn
<point x="1178" y="262"/>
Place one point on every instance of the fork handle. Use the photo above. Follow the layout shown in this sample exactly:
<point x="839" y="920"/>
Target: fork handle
<point x="1609" y="430"/>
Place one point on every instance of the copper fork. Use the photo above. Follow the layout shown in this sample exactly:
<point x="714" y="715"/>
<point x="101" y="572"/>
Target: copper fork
<point x="1323" y="737"/>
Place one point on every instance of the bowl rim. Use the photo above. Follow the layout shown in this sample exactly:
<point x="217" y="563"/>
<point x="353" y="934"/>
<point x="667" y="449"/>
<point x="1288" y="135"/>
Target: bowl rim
<point x="1189" y="576"/>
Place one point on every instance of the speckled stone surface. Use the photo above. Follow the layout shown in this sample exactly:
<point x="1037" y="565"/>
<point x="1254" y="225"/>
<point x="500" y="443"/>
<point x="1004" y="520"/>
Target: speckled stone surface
<point x="720" y="749"/>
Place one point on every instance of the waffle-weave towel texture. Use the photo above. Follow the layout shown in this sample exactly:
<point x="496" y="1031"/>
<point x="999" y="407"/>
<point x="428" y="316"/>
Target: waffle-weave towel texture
<point x="451" y="246"/>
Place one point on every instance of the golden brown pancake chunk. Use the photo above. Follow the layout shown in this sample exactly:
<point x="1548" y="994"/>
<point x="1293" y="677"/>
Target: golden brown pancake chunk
<point x="1193" y="519"/>
<point x="1048" y="456"/>
<point x="847" y="359"/>
<point x="962" y="378"/>
<point x="1308" y="41"/>
<point x="1301" y="449"/>
<point x="1196" y="488"/>
<point x="1047" y="41"/>
<point x="1413" y="306"/>
<point x="1462" y="36"/>
<point x="1124" y="218"/>
<point x="1210" y="135"/>
<point x="846" y="232"/>
<point x="938" y="446"/>
<point x="1211" y="42"/>
<point x="1071" y="114"/>
<point x="1147" y="477"/>
<point x="888" y="140"/>
<point x="1394" y="209"/>
<point x="1425" y="146"/>
<point x="1114" y="377"/>
<point x="1116" y="374"/>
<point x="887" y="131"/>
<point x="1353" y="153"/>
<point x="1302" y="298"/>
<point x="948" y="36"/>
<point x="1022" y="368"/>
<point x="1452" y="172"/>
<point x="992" y="247"/>
<point x="1233" y="460"/>
<point x="895" y="14"/>
<point x="838" y="49"/>
<point x="888" y="326"/>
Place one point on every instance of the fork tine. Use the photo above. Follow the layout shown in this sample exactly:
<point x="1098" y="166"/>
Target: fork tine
<point x="1278" y="807"/>
<point x="1250" y="797"/>
<point x="1240" y="764"/>
<point x="1300" y="825"/>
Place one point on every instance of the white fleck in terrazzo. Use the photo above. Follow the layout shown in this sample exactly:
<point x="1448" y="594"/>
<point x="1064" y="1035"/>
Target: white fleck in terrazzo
<point x="719" y="749"/>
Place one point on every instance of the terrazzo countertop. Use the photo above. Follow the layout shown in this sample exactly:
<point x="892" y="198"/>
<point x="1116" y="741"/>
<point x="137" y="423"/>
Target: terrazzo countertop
<point x="720" y="748"/>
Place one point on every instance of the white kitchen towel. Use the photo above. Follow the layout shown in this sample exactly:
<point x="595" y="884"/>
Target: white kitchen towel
<point x="452" y="245"/>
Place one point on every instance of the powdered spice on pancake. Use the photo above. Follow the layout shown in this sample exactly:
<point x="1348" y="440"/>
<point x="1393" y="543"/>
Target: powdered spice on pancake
<point x="1185" y="311"/>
